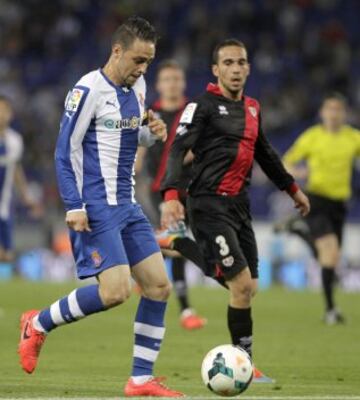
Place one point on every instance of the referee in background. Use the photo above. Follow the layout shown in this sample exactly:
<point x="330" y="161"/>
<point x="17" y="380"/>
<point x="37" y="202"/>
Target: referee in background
<point x="329" y="150"/>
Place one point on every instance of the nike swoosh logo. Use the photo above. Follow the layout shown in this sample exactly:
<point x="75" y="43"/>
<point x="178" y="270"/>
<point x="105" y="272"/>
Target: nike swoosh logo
<point x="26" y="336"/>
<point x="111" y="104"/>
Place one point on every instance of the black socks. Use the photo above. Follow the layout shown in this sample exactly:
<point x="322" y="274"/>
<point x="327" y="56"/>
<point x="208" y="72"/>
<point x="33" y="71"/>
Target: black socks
<point x="179" y="281"/>
<point x="240" y="326"/>
<point x="328" y="281"/>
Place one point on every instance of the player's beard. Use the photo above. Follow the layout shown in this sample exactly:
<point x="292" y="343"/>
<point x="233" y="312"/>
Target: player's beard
<point x="234" y="92"/>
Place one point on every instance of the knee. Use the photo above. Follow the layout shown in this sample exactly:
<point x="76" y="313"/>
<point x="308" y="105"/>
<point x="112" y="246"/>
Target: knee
<point x="329" y="258"/>
<point x="242" y="292"/>
<point x="113" y="296"/>
<point x="159" y="291"/>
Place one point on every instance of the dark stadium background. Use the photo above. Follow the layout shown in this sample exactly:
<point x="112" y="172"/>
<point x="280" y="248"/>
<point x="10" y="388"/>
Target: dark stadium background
<point x="299" y="50"/>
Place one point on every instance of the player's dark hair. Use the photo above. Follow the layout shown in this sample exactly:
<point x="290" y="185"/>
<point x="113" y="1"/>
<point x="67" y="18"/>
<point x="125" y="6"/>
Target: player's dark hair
<point x="225" y="43"/>
<point x="168" y="63"/>
<point x="335" y="96"/>
<point x="132" y="29"/>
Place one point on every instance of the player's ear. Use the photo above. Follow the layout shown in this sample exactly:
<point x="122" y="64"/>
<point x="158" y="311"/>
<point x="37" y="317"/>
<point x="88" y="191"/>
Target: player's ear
<point x="117" y="50"/>
<point x="215" y="70"/>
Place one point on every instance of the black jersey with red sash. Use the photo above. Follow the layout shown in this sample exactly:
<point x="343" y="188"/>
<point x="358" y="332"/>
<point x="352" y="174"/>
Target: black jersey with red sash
<point x="225" y="137"/>
<point x="158" y="154"/>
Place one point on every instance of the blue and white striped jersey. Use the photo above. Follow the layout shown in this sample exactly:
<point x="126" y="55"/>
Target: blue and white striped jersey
<point x="11" y="149"/>
<point x="99" y="134"/>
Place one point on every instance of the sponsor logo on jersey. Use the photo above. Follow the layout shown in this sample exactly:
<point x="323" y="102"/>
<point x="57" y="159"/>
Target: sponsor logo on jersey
<point x="223" y="110"/>
<point x="73" y="99"/>
<point x="188" y="114"/>
<point x="127" y="123"/>
<point x="253" y="111"/>
<point x="96" y="257"/>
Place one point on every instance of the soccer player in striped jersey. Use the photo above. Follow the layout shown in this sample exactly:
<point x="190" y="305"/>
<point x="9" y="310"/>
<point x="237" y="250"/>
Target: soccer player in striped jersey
<point x="329" y="150"/>
<point x="11" y="174"/>
<point x="111" y="238"/>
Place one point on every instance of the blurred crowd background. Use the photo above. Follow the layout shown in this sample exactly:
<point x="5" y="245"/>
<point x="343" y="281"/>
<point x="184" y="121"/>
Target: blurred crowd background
<point x="299" y="50"/>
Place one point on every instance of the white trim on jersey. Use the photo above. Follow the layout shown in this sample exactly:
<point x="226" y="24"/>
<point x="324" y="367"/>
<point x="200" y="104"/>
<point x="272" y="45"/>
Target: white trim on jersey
<point x="109" y="164"/>
<point x="109" y="151"/>
<point x="77" y="137"/>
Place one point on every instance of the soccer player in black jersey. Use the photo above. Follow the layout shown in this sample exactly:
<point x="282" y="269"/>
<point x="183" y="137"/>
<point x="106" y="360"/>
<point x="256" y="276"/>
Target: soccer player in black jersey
<point x="223" y="130"/>
<point x="170" y="85"/>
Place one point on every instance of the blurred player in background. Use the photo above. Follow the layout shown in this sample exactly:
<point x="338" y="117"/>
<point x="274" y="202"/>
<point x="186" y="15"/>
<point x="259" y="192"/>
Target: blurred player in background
<point x="111" y="238"/>
<point x="329" y="150"/>
<point x="11" y="174"/>
<point x="170" y="85"/>
<point x="223" y="130"/>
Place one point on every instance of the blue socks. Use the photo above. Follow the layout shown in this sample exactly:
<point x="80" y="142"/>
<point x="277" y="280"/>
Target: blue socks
<point x="78" y="304"/>
<point x="148" y="327"/>
<point x="149" y="331"/>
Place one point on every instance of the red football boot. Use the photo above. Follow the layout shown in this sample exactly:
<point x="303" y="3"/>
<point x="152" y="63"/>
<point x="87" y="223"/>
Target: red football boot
<point x="259" y="377"/>
<point x="30" y="343"/>
<point x="153" y="387"/>
<point x="189" y="320"/>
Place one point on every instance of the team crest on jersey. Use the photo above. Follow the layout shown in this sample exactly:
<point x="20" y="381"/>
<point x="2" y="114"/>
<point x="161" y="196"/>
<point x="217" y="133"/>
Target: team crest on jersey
<point x="253" y="111"/>
<point x="127" y="123"/>
<point x="73" y="99"/>
<point x="228" y="261"/>
<point x="96" y="257"/>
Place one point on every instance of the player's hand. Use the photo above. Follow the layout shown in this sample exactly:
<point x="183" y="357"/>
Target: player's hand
<point x="157" y="126"/>
<point x="172" y="211"/>
<point x="78" y="221"/>
<point x="302" y="202"/>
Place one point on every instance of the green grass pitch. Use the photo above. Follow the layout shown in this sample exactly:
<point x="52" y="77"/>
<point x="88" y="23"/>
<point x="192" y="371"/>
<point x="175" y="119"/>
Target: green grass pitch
<point x="92" y="358"/>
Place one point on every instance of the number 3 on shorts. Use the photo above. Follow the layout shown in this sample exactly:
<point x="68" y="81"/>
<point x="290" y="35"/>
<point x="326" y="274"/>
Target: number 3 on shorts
<point x="224" y="248"/>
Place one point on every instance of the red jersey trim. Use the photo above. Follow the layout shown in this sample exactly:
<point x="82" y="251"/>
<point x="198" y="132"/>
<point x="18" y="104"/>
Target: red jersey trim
<point x="156" y="183"/>
<point x="292" y="189"/>
<point x="234" y="179"/>
<point x="171" y="194"/>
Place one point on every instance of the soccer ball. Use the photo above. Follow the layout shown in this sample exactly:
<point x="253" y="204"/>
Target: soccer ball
<point x="227" y="370"/>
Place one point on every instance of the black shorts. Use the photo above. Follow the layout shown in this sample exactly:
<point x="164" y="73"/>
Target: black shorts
<point x="222" y="229"/>
<point x="326" y="216"/>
